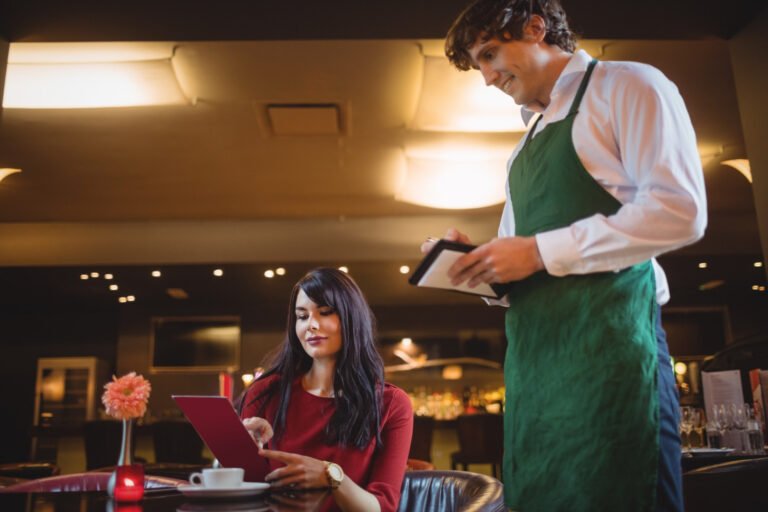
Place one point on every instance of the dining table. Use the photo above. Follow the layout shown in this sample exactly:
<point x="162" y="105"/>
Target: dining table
<point x="164" y="500"/>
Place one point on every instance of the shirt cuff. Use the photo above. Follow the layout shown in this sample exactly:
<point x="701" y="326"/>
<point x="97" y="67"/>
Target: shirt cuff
<point x="558" y="251"/>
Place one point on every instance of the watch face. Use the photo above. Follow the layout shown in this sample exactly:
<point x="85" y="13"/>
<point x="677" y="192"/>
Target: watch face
<point x="335" y="472"/>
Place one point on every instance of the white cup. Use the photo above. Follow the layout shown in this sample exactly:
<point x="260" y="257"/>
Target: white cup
<point x="218" y="478"/>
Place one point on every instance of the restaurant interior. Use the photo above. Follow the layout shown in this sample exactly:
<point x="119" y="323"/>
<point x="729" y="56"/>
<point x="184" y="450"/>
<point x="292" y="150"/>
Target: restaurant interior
<point x="289" y="136"/>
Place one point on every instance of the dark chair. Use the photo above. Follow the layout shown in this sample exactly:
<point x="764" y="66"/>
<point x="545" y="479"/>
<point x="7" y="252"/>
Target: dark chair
<point x="28" y="470"/>
<point x="103" y="439"/>
<point x="737" y="485"/>
<point x="451" y="491"/>
<point x="78" y="482"/>
<point x="176" y="441"/>
<point x="481" y="439"/>
<point x="421" y="442"/>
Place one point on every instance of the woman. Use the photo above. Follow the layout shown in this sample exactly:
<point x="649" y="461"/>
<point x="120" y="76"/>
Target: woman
<point x="323" y="408"/>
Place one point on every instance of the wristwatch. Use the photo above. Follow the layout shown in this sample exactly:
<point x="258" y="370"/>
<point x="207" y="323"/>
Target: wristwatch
<point x="334" y="473"/>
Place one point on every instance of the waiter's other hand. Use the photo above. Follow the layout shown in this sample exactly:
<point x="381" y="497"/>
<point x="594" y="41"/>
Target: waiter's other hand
<point x="499" y="261"/>
<point x="453" y="234"/>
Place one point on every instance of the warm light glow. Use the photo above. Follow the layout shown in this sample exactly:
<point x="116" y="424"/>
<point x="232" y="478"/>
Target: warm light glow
<point x="108" y="276"/>
<point x="90" y="75"/>
<point x="218" y="272"/>
<point x="741" y="165"/>
<point x="94" y="274"/>
<point x="156" y="273"/>
<point x="269" y="274"/>
<point x="681" y="368"/>
<point x="131" y="298"/>
<point x="454" y="181"/>
<point x="344" y="269"/>
<point x="405" y="269"/>
<point x="280" y="271"/>
<point x="406" y="342"/>
<point x="703" y="264"/>
<point x="461" y="102"/>
<point x="758" y="264"/>
<point x="84" y="277"/>
<point x="7" y="171"/>
<point x="122" y="300"/>
<point x="247" y="378"/>
<point x="755" y="287"/>
<point x="452" y="372"/>
<point x="113" y="287"/>
<point x="710" y="285"/>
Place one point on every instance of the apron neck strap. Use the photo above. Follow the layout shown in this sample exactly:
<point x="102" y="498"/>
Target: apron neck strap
<point x="582" y="87"/>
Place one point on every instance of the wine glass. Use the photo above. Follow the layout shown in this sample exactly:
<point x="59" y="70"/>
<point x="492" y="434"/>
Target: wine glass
<point x="686" y="424"/>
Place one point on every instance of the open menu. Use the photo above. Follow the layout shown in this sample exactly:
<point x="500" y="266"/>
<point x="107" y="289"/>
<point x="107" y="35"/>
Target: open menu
<point x="432" y="272"/>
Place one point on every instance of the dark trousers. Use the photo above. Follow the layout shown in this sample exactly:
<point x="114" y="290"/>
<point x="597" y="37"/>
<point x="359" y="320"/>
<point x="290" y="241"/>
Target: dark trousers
<point x="669" y="489"/>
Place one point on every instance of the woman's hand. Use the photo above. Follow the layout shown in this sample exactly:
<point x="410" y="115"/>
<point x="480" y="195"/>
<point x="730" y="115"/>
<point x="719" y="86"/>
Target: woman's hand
<point x="260" y="430"/>
<point x="299" y="472"/>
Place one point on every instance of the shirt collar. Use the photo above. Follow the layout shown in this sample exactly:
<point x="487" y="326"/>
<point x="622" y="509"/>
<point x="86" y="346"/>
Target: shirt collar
<point x="576" y="66"/>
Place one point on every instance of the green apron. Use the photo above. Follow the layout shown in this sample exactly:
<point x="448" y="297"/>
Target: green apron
<point x="582" y="414"/>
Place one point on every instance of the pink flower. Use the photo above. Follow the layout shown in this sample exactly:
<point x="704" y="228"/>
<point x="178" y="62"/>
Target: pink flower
<point x="126" y="398"/>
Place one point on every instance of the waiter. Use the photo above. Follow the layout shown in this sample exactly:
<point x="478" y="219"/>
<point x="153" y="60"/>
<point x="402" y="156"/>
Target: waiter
<point x="607" y="178"/>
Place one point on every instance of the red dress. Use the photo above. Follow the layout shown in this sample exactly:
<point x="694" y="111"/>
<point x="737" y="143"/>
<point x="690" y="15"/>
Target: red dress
<point x="379" y="472"/>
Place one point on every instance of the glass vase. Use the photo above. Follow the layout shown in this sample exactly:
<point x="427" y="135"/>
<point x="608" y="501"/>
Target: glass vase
<point x="126" y="483"/>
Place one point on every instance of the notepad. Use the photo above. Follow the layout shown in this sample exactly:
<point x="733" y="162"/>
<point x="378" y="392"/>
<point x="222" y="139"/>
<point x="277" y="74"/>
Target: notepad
<point x="432" y="272"/>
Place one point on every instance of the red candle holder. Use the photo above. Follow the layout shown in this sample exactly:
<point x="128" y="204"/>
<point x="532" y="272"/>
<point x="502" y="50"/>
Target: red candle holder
<point x="129" y="483"/>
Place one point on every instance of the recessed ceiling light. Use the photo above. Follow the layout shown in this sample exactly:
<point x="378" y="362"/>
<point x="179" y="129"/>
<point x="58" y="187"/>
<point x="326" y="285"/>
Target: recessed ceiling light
<point x="131" y="298"/>
<point x="344" y="269"/>
<point x="108" y="276"/>
<point x="703" y="264"/>
<point x="269" y="274"/>
<point x="407" y="342"/>
<point x="405" y="269"/>
<point x="113" y="287"/>
<point x="84" y="277"/>
<point x="280" y="271"/>
<point x="755" y="287"/>
<point x="94" y="274"/>
<point x="758" y="264"/>
<point x="122" y="300"/>
<point x="156" y="273"/>
<point x="218" y="272"/>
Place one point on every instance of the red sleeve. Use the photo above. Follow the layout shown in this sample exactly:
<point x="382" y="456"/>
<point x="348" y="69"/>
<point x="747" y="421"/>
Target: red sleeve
<point x="390" y="460"/>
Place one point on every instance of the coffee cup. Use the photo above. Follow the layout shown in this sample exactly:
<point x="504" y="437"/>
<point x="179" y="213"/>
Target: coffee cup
<point x="218" y="478"/>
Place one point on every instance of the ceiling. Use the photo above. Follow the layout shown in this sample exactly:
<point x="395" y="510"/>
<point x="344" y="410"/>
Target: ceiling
<point x="211" y="183"/>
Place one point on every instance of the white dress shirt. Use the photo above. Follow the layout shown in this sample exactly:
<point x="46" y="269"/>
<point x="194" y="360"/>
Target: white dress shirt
<point x="634" y="136"/>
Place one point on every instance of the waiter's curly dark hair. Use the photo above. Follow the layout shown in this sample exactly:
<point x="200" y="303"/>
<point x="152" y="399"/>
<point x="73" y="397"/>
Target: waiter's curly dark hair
<point x="505" y="20"/>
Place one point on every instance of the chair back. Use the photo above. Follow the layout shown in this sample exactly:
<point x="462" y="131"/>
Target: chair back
<point x="481" y="437"/>
<point x="176" y="441"/>
<point x="79" y="482"/>
<point x="103" y="440"/>
<point x="28" y="470"/>
<point x="451" y="491"/>
<point x="737" y="485"/>
<point x="421" y="442"/>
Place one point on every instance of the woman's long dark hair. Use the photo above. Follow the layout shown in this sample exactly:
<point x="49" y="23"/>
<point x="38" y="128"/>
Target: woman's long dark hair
<point x="358" y="380"/>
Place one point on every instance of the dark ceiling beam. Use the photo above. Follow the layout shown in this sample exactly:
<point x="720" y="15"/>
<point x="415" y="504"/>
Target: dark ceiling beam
<point x="176" y="20"/>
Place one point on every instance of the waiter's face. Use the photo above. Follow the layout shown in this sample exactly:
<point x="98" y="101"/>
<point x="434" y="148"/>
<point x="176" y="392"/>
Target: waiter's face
<point x="516" y="67"/>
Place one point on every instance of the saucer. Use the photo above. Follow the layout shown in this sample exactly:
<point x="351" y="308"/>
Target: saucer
<point x="246" y="489"/>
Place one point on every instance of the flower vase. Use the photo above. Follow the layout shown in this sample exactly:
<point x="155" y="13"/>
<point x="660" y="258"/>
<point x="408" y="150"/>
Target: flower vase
<point x="126" y="483"/>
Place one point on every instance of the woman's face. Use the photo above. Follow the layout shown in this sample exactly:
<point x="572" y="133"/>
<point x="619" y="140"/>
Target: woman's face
<point x="318" y="328"/>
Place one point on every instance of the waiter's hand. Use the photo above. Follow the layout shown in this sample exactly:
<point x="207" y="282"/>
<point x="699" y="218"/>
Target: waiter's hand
<point x="499" y="261"/>
<point x="453" y="234"/>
